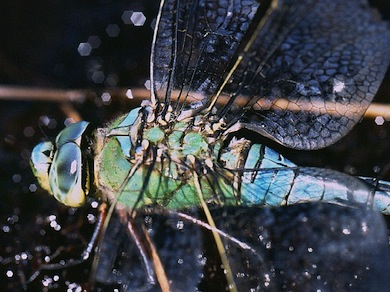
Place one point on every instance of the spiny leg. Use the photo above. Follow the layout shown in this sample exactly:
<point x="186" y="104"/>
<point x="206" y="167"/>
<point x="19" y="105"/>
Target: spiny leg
<point x="147" y="250"/>
<point x="110" y="211"/>
<point x="158" y="267"/>
<point x="217" y="238"/>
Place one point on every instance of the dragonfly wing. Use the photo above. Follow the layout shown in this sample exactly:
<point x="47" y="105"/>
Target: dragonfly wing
<point x="119" y="260"/>
<point x="193" y="46"/>
<point x="311" y="72"/>
<point x="305" y="247"/>
<point x="303" y="73"/>
<point x="299" y="246"/>
<point x="178" y="246"/>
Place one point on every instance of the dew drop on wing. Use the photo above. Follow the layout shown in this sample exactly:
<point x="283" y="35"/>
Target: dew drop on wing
<point x="307" y="246"/>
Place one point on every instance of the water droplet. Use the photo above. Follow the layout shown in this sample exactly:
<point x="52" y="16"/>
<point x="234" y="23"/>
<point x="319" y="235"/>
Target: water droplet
<point x="111" y="80"/>
<point x="44" y="120"/>
<point x="91" y="218"/>
<point x="147" y="84"/>
<point x="112" y="30"/>
<point x="24" y="256"/>
<point x="9" y="139"/>
<point x="12" y="219"/>
<point x="16" y="178"/>
<point x="180" y="225"/>
<point x="98" y="77"/>
<point x="129" y="94"/>
<point x="364" y="227"/>
<point x="138" y="19"/>
<point x="106" y="98"/>
<point x="6" y="229"/>
<point x="94" y="41"/>
<point x="346" y="231"/>
<point x="84" y="49"/>
<point x="69" y="121"/>
<point x="376" y="169"/>
<point x="379" y="121"/>
<point x="9" y="273"/>
<point x="32" y="188"/>
<point x="126" y="16"/>
<point x="28" y="132"/>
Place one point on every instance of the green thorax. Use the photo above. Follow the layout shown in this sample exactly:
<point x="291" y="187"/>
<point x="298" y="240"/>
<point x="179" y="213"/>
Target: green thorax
<point x="146" y="160"/>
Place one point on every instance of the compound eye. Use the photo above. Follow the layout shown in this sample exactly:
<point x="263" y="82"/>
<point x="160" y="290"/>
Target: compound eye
<point x="72" y="133"/>
<point x="66" y="172"/>
<point x="60" y="171"/>
<point x="41" y="160"/>
<point x="65" y="175"/>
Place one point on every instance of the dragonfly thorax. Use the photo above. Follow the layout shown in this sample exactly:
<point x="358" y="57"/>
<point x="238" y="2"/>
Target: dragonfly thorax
<point x="143" y="155"/>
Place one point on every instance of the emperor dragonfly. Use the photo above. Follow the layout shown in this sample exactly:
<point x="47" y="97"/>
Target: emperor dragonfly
<point x="178" y="154"/>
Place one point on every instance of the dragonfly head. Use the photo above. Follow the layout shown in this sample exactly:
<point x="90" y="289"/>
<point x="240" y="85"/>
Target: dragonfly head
<point x="62" y="167"/>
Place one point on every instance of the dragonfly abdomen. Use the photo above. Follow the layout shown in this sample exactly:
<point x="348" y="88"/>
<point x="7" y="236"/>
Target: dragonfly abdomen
<point x="270" y="179"/>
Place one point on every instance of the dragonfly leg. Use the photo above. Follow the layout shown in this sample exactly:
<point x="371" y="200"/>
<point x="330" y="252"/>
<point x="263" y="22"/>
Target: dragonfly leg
<point x="143" y="253"/>
<point x="160" y="271"/>
<point x="216" y="235"/>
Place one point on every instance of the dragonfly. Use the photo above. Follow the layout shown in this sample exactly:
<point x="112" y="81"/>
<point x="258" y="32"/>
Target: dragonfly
<point x="190" y="200"/>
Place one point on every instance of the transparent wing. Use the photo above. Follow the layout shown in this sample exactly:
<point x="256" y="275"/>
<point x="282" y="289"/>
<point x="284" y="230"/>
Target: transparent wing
<point x="326" y="65"/>
<point x="193" y="46"/>
<point x="300" y="72"/>
<point x="280" y="248"/>
<point x="303" y="246"/>
<point x="124" y="263"/>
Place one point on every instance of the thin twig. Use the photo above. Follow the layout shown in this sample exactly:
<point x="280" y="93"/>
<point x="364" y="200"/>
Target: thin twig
<point x="80" y="95"/>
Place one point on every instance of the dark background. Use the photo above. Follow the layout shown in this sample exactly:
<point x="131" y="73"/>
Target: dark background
<point x="38" y="47"/>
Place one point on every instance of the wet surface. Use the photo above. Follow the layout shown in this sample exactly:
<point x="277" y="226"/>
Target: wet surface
<point x="52" y="51"/>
